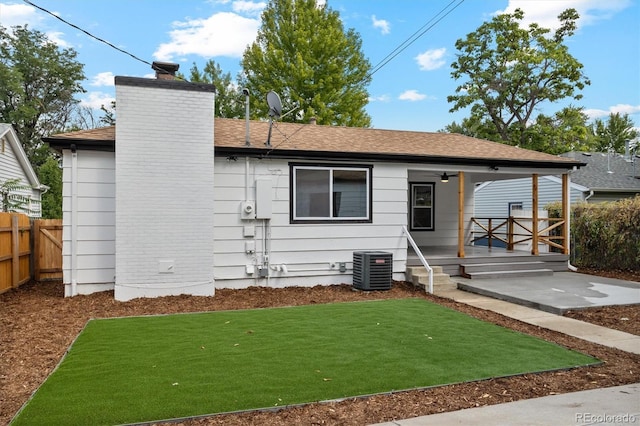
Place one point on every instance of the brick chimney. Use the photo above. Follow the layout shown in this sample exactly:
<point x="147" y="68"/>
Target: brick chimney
<point x="165" y="70"/>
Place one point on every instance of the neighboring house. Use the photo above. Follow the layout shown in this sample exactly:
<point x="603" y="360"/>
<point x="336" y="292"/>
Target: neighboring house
<point x="173" y="201"/>
<point x="14" y="164"/>
<point x="606" y="177"/>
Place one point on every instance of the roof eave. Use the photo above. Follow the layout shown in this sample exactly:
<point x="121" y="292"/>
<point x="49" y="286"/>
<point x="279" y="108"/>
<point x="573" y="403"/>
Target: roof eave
<point x="386" y="157"/>
<point x="59" y="144"/>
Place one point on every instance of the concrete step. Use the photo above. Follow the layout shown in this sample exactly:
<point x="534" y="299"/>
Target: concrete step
<point x="501" y="266"/>
<point x="509" y="274"/>
<point x="420" y="277"/>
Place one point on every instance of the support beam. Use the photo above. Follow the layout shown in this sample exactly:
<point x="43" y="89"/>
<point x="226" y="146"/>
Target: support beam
<point x="460" y="214"/>
<point x="566" y="211"/>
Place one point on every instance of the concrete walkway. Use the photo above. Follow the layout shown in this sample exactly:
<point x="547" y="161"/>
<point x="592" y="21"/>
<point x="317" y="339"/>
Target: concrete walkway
<point x="582" y="330"/>
<point x="608" y="406"/>
<point x="618" y="405"/>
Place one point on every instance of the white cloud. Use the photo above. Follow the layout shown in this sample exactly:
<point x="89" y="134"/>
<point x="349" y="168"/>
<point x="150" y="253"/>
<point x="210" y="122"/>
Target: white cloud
<point x="18" y="14"/>
<point x="95" y="100"/>
<point x="620" y="109"/>
<point x="379" y="98"/>
<point x="411" y="95"/>
<point x="103" y="79"/>
<point x="248" y="7"/>
<point x="382" y="24"/>
<point x="431" y="59"/>
<point x="22" y="14"/>
<point x="56" y="37"/>
<point x="222" y="34"/>
<point x="545" y="13"/>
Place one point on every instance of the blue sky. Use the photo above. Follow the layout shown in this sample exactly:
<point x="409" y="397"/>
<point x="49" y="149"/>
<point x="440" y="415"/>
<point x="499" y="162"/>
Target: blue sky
<point x="409" y="93"/>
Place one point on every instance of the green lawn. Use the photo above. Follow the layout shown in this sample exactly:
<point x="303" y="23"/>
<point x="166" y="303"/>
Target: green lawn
<point x="150" y="368"/>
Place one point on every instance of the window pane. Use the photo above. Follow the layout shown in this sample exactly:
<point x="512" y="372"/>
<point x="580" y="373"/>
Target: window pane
<point x="422" y="195"/>
<point x="349" y="193"/>
<point x="312" y="193"/>
<point x="422" y="218"/>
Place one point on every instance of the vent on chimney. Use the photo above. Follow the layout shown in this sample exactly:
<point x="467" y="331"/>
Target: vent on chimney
<point x="165" y="70"/>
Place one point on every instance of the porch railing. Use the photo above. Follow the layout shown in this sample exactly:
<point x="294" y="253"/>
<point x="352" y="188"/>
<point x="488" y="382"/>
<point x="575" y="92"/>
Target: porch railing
<point x="515" y="230"/>
<point x="420" y="256"/>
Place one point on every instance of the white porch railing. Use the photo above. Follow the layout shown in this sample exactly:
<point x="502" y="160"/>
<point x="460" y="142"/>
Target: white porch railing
<point x="420" y="256"/>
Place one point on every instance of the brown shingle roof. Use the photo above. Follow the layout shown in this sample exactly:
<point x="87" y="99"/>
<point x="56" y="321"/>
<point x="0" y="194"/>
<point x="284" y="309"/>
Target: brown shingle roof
<point x="303" y="139"/>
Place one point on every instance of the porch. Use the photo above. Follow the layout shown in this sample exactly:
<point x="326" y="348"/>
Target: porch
<point x="484" y="261"/>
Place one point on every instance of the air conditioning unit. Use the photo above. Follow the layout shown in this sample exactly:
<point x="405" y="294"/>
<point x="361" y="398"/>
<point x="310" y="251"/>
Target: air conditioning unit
<point x="372" y="270"/>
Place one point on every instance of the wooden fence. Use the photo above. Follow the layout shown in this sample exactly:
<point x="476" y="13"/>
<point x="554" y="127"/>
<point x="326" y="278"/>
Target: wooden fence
<point x="29" y="249"/>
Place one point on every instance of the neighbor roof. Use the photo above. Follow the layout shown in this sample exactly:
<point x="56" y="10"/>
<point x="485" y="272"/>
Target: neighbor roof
<point x="316" y="141"/>
<point x="606" y="172"/>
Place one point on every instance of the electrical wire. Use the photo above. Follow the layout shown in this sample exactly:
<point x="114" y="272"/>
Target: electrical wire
<point x="415" y="36"/>
<point x="89" y="34"/>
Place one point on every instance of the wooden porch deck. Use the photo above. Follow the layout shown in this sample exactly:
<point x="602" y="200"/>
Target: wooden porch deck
<point x="447" y="257"/>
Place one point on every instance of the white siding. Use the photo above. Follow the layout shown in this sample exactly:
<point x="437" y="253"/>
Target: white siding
<point x="445" y="231"/>
<point x="94" y="244"/>
<point x="310" y="253"/>
<point x="164" y="190"/>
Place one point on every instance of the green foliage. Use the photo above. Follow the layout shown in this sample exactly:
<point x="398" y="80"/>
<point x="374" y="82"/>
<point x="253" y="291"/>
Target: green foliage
<point x="567" y="130"/>
<point x="605" y="235"/>
<point x="39" y="81"/>
<point x="229" y="102"/>
<point x="12" y="199"/>
<point x="50" y="174"/>
<point x="509" y="71"/>
<point x="303" y="53"/>
<point x="613" y="133"/>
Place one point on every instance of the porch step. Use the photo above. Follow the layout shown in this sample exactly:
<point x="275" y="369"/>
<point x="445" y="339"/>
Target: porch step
<point x="419" y="276"/>
<point x="505" y="270"/>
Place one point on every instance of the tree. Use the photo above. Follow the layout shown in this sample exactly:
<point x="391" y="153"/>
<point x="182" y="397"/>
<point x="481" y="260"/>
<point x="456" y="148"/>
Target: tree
<point x="229" y="102"/>
<point x="613" y="133"/>
<point x="39" y="81"/>
<point x="51" y="172"/>
<point x="508" y="72"/>
<point x="303" y="53"/>
<point x="567" y="130"/>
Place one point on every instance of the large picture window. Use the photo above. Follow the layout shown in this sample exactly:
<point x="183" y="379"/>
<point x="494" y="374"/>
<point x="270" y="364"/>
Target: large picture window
<point x="422" y="210"/>
<point x="325" y="193"/>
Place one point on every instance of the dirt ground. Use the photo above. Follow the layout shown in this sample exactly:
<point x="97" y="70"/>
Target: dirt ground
<point x="37" y="325"/>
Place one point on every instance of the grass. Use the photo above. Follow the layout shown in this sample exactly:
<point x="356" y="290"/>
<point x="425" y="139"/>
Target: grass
<point x="150" y="368"/>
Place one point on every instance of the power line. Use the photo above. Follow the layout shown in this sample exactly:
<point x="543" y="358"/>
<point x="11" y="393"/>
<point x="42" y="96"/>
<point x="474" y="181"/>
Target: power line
<point x="88" y="33"/>
<point x="415" y="36"/>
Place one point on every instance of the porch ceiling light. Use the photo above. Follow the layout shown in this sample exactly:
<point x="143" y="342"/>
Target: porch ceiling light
<point x="444" y="177"/>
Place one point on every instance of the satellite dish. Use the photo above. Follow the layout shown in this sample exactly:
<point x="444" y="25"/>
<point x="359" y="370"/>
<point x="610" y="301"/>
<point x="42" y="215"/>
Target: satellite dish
<point x="275" y="106"/>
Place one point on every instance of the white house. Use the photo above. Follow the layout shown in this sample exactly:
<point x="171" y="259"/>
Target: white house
<point x="14" y="164"/>
<point x="173" y="201"/>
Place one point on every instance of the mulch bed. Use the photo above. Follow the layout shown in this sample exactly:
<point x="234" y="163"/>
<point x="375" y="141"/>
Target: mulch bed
<point x="37" y="325"/>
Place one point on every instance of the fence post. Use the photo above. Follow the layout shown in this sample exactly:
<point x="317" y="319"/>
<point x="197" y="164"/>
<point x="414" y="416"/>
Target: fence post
<point x="510" y="233"/>
<point x="36" y="250"/>
<point x="15" y="251"/>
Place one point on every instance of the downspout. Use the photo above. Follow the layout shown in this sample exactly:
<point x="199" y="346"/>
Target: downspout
<point x="74" y="221"/>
